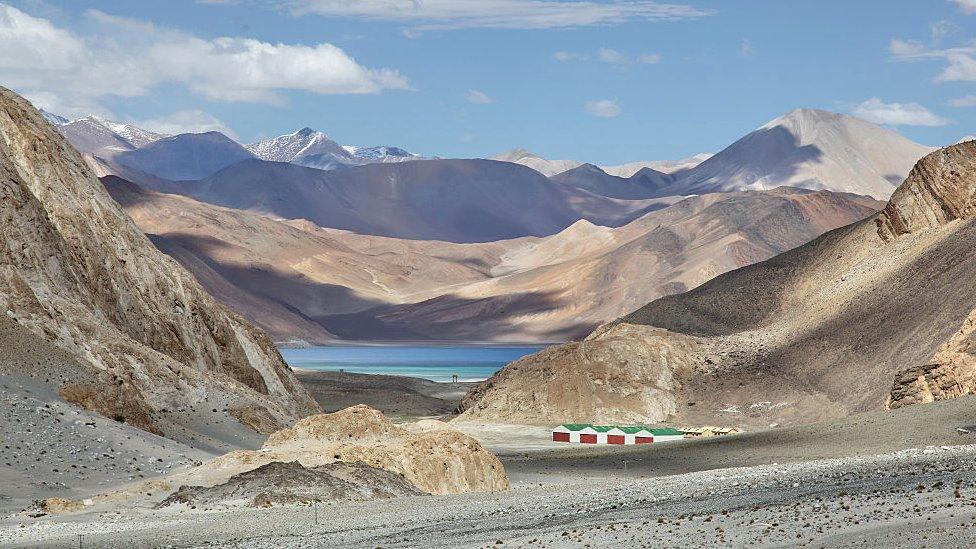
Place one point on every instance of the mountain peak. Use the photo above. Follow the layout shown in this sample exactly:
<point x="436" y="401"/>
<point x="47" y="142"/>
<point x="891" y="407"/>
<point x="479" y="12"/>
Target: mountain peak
<point x="940" y="188"/>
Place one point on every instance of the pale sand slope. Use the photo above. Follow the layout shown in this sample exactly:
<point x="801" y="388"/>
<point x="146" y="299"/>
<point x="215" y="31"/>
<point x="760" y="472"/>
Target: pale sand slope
<point x="300" y="281"/>
<point x="893" y="500"/>
<point x="50" y="448"/>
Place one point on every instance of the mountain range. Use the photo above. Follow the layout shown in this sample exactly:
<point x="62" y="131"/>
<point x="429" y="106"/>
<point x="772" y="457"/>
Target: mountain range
<point x="878" y="313"/>
<point x="204" y="153"/>
<point x="804" y="148"/>
<point x="552" y="167"/>
<point x="484" y="249"/>
<point x="303" y="282"/>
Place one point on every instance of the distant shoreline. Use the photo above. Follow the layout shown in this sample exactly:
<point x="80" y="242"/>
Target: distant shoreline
<point x="422" y="343"/>
<point x="309" y="371"/>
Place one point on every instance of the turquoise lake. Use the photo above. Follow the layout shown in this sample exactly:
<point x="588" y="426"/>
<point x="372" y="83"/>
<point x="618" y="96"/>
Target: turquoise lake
<point x="470" y="363"/>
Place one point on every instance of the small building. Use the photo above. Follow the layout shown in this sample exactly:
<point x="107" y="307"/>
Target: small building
<point x="574" y="432"/>
<point x="666" y="434"/>
<point x="585" y="433"/>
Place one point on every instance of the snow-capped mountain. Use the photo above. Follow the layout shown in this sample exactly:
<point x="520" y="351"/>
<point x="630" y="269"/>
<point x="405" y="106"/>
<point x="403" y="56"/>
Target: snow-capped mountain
<point x="100" y="137"/>
<point x="381" y="154"/>
<point x="54" y="119"/>
<point x="133" y="134"/>
<point x="314" y="149"/>
<point x="295" y="147"/>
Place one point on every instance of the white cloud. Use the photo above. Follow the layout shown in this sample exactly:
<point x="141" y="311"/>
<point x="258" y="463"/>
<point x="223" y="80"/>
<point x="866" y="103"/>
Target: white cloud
<point x="960" y="61"/>
<point x="897" y="114"/>
<point x="905" y="48"/>
<point x="569" y="56"/>
<point x="242" y="69"/>
<point x="961" y="68"/>
<point x="188" y="121"/>
<point x="604" y="108"/>
<point x="69" y="73"/>
<point x="967" y="101"/>
<point x="609" y="55"/>
<point x="478" y="96"/>
<point x="967" y="6"/>
<point x="427" y="15"/>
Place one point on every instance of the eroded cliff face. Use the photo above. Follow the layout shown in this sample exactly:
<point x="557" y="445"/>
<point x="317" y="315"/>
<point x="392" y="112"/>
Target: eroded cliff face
<point x="939" y="189"/>
<point x="75" y="270"/>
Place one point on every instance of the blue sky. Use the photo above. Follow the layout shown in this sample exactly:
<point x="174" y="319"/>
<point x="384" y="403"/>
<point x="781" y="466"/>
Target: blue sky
<point x="605" y="82"/>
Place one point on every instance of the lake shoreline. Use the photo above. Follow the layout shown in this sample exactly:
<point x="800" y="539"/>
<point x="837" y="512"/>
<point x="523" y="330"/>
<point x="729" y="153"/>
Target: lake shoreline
<point x="437" y="364"/>
<point x="436" y="344"/>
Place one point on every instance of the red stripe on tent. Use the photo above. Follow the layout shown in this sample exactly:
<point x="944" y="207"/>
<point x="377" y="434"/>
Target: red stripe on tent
<point x="560" y="437"/>
<point x="615" y="439"/>
<point x="643" y="440"/>
<point x="588" y="439"/>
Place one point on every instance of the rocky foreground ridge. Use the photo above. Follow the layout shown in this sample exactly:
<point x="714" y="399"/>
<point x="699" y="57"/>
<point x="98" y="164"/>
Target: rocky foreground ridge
<point x="155" y="349"/>
<point x="880" y="312"/>
<point x="354" y="454"/>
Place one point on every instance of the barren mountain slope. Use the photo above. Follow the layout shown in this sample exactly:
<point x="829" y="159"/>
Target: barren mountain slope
<point x="285" y="275"/>
<point x="820" y="331"/>
<point x="452" y="200"/>
<point x="282" y="274"/>
<point x="563" y="286"/>
<point x="811" y="149"/>
<point x="185" y="156"/>
<point x="645" y="183"/>
<point x="160" y="353"/>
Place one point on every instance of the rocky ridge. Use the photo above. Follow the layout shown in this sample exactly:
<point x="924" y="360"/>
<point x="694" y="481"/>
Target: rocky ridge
<point x="159" y="352"/>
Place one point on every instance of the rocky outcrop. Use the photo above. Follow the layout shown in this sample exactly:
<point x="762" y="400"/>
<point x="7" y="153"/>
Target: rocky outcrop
<point x="161" y="353"/>
<point x="356" y="453"/>
<point x="940" y="188"/>
<point x="950" y="373"/>
<point x="280" y="483"/>
<point x="437" y="461"/>
<point x="620" y="374"/>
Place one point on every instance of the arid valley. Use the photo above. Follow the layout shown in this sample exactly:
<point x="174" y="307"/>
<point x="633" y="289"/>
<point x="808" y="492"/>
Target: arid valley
<point x="727" y="302"/>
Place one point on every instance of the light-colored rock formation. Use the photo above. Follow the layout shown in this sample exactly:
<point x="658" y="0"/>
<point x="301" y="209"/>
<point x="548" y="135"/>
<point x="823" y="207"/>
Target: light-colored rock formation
<point x="941" y="188"/>
<point x="438" y="461"/>
<point x="432" y="458"/>
<point x="160" y="352"/>
<point x="620" y="374"/>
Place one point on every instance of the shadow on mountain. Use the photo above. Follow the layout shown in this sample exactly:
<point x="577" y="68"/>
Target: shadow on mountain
<point x="765" y="152"/>
<point x="450" y="317"/>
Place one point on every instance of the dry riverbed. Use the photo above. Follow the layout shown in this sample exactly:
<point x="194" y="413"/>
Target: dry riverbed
<point x="904" y="499"/>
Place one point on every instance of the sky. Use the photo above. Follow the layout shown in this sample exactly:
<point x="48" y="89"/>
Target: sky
<point x="606" y="82"/>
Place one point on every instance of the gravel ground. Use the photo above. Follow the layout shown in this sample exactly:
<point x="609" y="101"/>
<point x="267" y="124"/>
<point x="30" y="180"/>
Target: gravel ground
<point x="909" y="498"/>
